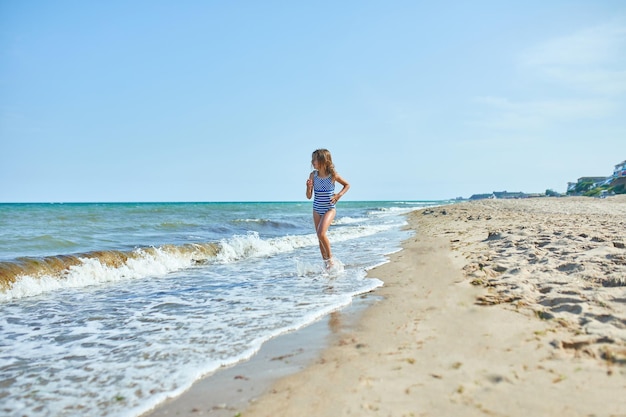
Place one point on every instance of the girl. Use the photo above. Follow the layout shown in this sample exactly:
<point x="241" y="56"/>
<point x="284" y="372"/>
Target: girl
<point x="322" y="181"/>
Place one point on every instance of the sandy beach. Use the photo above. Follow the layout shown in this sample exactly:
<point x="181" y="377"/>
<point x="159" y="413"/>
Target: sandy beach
<point x="493" y="307"/>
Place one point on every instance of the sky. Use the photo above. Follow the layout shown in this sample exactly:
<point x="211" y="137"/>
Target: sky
<point x="185" y="100"/>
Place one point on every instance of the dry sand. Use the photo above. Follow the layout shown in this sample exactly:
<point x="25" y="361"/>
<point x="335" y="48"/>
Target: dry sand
<point x="495" y="307"/>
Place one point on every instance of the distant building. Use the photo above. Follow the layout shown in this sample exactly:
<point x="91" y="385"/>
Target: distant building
<point x="506" y="194"/>
<point x="588" y="184"/>
<point x="592" y="180"/>
<point x="619" y="175"/>
<point x="499" y="195"/>
<point x="481" y="196"/>
<point x="620" y="170"/>
<point x="584" y="184"/>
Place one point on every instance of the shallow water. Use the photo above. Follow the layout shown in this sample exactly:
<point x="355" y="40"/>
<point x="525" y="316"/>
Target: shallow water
<point x="144" y="299"/>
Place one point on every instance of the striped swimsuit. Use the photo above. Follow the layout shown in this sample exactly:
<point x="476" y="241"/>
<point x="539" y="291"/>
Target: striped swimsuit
<point x="324" y="190"/>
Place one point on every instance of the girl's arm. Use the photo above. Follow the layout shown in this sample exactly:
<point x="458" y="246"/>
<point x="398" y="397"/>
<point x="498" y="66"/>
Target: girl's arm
<point x="309" y="187"/>
<point x="345" y="185"/>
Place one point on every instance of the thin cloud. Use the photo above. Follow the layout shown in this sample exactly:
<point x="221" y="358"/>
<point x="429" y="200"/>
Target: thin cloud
<point x="592" y="60"/>
<point x="504" y="113"/>
<point x="588" y="69"/>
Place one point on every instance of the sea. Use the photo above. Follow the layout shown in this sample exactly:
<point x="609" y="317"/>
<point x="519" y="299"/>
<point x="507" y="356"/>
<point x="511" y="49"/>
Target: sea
<point x="109" y="309"/>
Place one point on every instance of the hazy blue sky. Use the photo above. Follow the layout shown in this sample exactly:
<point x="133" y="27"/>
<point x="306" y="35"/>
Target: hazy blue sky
<point x="226" y="100"/>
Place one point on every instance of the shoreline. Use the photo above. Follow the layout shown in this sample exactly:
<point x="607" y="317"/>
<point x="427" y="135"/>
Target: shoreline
<point x="231" y="389"/>
<point x="500" y="308"/>
<point x="434" y="347"/>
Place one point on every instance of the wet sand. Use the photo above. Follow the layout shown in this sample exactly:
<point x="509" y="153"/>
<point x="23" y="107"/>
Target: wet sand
<point x="226" y="392"/>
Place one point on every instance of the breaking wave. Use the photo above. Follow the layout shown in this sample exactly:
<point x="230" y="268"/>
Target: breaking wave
<point x="29" y="276"/>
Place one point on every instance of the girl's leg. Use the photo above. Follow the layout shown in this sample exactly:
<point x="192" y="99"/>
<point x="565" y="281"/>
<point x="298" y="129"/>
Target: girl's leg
<point x="317" y="218"/>
<point x="321" y="228"/>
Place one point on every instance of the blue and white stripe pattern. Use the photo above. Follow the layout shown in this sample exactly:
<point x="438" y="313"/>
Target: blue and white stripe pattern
<point x="324" y="190"/>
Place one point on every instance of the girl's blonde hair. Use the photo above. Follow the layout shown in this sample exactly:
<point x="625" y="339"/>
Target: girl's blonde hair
<point x="324" y="158"/>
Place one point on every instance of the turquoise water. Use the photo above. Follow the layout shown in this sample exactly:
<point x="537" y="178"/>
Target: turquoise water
<point x="109" y="309"/>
